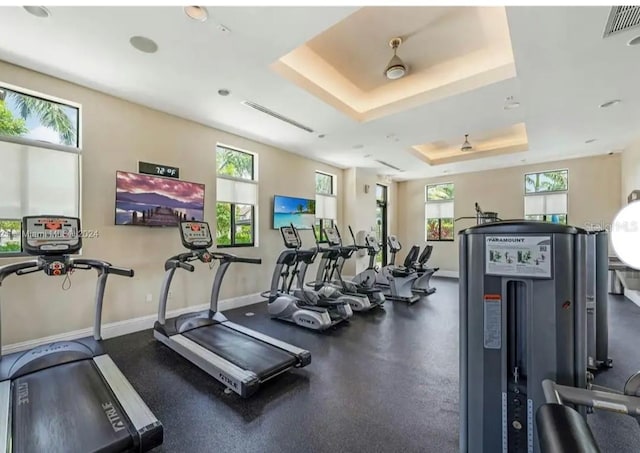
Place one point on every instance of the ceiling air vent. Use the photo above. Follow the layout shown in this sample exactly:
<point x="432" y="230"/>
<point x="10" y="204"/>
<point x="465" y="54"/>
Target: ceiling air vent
<point x="388" y="165"/>
<point x="622" y="18"/>
<point x="262" y="109"/>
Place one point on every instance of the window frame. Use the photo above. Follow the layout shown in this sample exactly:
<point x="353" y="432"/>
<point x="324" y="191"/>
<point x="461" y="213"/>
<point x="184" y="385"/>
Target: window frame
<point x="49" y="98"/>
<point x="254" y="207"/>
<point x="254" y="177"/>
<point x="547" y="192"/>
<point x="439" y="219"/>
<point x="232" y="226"/>
<point x="321" y="221"/>
<point x="29" y="142"/>
<point x="333" y="183"/>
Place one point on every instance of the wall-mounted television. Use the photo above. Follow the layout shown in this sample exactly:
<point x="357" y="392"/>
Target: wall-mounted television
<point x="146" y="200"/>
<point x="299" y="211"/>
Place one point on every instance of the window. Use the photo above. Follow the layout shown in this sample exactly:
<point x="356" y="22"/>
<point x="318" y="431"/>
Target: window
<point x="439" y="212"/>
<point x="237" y="195"/>
<point x="32" y="117"/>
<point x="326" y="203"/>
<point x="546" y="195"/>
<point x="40" y="161"/>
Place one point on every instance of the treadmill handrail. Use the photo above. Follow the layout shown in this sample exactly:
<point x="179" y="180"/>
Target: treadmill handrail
<point x="173" y="264"/>
<point x="16" y="268"/>
<point x="104" y="268"/>
<point x="234" y="258"/>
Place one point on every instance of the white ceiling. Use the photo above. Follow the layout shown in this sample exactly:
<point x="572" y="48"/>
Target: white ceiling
<point x="564" y="71"/>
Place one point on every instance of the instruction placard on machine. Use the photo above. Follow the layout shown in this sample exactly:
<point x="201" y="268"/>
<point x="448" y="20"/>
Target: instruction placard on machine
<point x="492" y="321"/>
<point x="519" y="256"/>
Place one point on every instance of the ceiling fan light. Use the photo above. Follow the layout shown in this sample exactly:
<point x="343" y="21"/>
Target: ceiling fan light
<point x="396" y="72"/>
<point x="396" y="68"/>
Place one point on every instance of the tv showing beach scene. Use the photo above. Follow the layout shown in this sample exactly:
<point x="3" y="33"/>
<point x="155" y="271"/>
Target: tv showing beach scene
<point x="297" y="211"/>
<point x="146" y="200"/>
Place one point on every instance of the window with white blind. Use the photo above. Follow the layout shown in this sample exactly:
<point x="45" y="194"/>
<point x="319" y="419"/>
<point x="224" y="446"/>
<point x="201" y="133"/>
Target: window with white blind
<point x="439" y="204"/>
<point x="326" y="203"/>
<point x="546" y="196"/>
<point x="237" y="197"/>
<point x="39" y="158"/>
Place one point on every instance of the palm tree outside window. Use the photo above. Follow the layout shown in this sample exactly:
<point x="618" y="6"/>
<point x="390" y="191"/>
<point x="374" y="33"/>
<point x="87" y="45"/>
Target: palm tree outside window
<point x="546" y="196"/>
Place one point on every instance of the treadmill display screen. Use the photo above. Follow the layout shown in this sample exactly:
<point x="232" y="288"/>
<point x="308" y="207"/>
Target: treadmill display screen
<point x="51" y="235"/>
<point x="196" y="235"/>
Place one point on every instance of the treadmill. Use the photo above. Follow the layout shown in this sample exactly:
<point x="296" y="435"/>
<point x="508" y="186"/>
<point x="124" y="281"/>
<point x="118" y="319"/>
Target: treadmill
<point x="238" y="357"/>
<point x="69" y="396"/>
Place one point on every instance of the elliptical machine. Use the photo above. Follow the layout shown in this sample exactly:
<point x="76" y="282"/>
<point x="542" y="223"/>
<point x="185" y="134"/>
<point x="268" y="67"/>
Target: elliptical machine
<point x="330" y="271"/>
<point x="303" y="307"/>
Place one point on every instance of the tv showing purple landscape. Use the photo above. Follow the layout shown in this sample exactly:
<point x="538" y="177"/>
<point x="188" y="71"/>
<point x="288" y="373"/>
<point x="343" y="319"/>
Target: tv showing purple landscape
<point x="147" y="200"/>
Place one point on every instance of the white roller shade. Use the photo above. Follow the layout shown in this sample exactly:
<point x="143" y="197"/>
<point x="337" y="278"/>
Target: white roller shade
<point x="235" y="191"/>
<point x="439" y="210"/>
<point x="326" y="207"/>
<point x="38" y="181"/>
<point x="554" y="203"/>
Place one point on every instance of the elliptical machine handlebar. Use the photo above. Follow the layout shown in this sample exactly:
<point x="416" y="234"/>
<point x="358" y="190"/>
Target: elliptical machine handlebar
<point x="355" y="244"/>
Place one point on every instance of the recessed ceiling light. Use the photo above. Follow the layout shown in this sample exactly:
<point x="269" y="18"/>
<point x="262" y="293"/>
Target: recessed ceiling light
<point x="358" y="146"/>
<point x="224" y="92"/>
<point x="143" y="44"/>
<point x="634" y="42"/>
<point x="604" y="105"/>
<point x="510" y="103"/>
<point x="198" y="13"/>
<point x="321" y="136"/>
<point x="38" y="11"/>
<point x="591" y="140"/>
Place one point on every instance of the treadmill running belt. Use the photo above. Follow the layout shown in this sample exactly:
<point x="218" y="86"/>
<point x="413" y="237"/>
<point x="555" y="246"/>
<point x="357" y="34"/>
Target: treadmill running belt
<point x="65" y="409"/>
<point x="242" y="350"/>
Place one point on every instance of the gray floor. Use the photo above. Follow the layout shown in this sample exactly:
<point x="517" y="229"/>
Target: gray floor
<point x="386" y="382"/>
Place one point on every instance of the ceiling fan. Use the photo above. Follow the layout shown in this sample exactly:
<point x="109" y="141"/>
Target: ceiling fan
<point x="396" y="68"/>
<point x="466" y="146"/>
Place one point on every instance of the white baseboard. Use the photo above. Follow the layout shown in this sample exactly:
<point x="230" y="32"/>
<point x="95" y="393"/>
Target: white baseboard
<point x="116" y="329"/>
<point x="447" y="274"/>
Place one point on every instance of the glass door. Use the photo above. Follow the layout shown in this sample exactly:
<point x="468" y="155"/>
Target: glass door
<point x="381" y="224"/>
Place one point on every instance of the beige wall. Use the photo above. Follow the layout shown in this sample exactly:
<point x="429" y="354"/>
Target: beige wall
<point x="594" y="198"/>
<point x="116" y="134"/>
<point x="630" y="167"/>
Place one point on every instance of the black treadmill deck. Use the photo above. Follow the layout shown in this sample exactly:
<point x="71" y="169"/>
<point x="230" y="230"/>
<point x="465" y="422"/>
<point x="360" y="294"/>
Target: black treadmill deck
<point x="67" y="408"/>
<point x="242" y="350"/>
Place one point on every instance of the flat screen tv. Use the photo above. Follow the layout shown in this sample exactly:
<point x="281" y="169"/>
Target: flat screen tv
<point x="146" y="200"/>
<point x="299" y="211"/>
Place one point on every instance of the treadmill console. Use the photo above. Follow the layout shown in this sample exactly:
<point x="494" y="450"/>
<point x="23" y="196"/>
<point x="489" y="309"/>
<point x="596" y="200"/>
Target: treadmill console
<point x="332" y="237"/>
<point x="290" y="238"/>
<point x="51" y="235"/>
<point x="195" y="235"/>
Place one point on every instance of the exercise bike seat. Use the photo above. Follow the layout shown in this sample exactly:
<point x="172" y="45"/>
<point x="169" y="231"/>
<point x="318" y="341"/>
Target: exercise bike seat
<point x="401" y="272"/>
